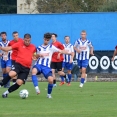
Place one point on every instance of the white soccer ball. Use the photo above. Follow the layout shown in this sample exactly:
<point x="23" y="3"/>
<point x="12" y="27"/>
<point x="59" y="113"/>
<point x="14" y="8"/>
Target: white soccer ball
<point x="24" y="94"/>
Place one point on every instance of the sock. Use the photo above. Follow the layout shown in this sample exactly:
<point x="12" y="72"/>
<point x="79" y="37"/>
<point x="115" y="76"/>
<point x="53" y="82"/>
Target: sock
<point x="6" y="92"/>
<point x="14" y="80"/>
<point x="50" y="86"/>
<point x="62" y="78"/>
<point x="37" y="89"/>
<point x="69" y="77"/>
<point x="34" y="80"/>
<point x="13" y="88"/>
<point x="82" y="80"/>
<point x="54" y="81"/>
<point x="5" y="80"/>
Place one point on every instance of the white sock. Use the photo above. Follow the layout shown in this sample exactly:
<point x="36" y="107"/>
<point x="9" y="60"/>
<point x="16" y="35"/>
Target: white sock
<point x="37" y="89"/>
<point x="6" y="92"/>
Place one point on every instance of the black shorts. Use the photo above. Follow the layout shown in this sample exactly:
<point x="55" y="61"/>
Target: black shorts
<point x="22" y="71"/>
<point x="13" y="63"/>
<point x="56" y="65"/>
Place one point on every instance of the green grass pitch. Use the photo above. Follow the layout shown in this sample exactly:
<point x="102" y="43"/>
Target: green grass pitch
<point x="95" y="99"/>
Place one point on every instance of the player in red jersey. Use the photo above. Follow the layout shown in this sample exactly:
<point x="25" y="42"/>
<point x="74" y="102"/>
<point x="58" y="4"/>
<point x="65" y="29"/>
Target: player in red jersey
<point x="22" y="63"/>
<point x="16" y="39"/>
<point x="57" y="59"/>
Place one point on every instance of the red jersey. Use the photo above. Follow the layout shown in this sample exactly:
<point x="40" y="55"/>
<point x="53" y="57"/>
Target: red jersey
<point x="55" y="54"/>
<point x="24" y="53"/>
<point x="15" y="51"/>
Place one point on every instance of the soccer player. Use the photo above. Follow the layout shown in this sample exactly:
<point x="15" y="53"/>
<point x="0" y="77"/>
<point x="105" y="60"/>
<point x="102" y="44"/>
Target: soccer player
<point x="5" y="57"/>
<point x="114" y="54"/>
<point x="42" y="65"/>
<point x="22" y="63"/>
<point x="16" y="39"/>
<point x="68" y="60"/>
<point x="83" y="48"/>
<point x="57" y="59"/>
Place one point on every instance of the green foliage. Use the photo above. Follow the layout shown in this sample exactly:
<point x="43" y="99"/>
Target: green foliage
<point x="8" y="6"/>
<point x="109" y="6"/>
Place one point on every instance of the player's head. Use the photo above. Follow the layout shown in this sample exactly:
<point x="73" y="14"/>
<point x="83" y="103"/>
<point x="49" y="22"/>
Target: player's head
<point x="27" y="39"/>
<point x="15" y="35"/>
<point x="47" y="37"/>
<point x="3" y="36"/>
<point x="54" y="36"/>
<point x="83" y="34"/>
<point x="67" y="39"/>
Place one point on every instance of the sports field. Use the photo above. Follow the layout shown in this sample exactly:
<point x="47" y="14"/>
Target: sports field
<point x="95" y="99"/>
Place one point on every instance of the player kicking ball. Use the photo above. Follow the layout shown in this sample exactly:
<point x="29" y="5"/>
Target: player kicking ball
<point x="42" y="65"/>
<point x="83" y="48"/>
<point x="68" y="60"/>
<point x="22" y="64"/>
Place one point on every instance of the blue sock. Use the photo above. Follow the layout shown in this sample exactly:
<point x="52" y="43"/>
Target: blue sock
<point x="62" y="78"/>
<point x="69" y="77"/>
<point x="50" y="86"/>
<point x="82" y="80"/>
<point x="8" y="84"/>
<point x="34" y="80"/>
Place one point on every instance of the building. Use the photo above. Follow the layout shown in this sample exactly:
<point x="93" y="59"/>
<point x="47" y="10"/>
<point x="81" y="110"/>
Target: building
<point x="26" y="7"/>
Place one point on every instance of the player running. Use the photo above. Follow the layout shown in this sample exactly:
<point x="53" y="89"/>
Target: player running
<point x="83" y="48"/>
<point x="68" y="60"/>
<point x="14" y="51"/>
<point x="5" y="57"/>
<point x="42" y="65"/>
<point x="57" y="59"/>
<point x="22" y="63"/>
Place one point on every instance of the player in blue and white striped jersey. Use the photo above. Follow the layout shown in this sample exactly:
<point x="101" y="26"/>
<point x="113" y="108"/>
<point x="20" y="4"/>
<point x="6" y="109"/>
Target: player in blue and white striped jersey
<point x="42" y="65"/>
<point x="68" y="60"/>
<point x="83" y="48"/>
<point x="5" y="57"/>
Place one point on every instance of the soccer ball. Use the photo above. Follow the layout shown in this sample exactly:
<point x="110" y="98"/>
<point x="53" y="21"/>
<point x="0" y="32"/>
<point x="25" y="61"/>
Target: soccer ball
<point x="24" y="94"/>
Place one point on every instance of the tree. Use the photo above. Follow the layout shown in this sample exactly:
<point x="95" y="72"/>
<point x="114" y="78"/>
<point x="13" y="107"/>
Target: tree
<point x="8" y="6"/>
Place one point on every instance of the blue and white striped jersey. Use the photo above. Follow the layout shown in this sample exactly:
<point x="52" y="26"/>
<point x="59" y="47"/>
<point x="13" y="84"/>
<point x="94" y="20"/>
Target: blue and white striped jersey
<point x="70" y="48"/>
<point x="84" y="46"/>
<point x="5" y="55"/>
<point x="47" y="51"/>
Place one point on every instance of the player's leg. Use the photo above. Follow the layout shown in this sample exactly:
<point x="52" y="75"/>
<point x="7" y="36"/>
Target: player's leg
<point x="83" y="75"/>
<point x="53" y="67"/>
<point x="22" y="73"/>
<point x="59" y="69"/>
<point x="35" y="70"/>
<point x="62" y="78"/>
<point x="69" y="68"/>
<point x="15" y="78"/>
<point x="3" y="66"/>
<point x="46" y="71"/>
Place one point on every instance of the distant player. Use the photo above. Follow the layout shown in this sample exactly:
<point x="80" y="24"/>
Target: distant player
<point x="22" y="63"/>
<point x="16" y="39"/>
<point x="57" y="59"/>
<point x="68" y="60"/>
<point x="44" y="52"/>
<point x="5" y="57"/>
<point x="83" y="48"/>
<point x="115" y="53"/>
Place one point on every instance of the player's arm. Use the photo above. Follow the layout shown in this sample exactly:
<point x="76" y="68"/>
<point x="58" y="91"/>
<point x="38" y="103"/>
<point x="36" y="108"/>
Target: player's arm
<point x="6" y="49"/>
<point x="91" y="48"/>
<point x="72" y="54"/>
<point x="76" y="47"/>
<point x="115" y="53"/>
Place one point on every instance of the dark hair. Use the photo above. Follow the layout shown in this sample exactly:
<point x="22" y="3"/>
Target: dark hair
<point x="66" y="36"/>
<point x="14" y="32"/>
<point x="47" y="35"/>
<point x="27" y="36"/>
<point x="3" y="33"/>
<point x="54" y="34"/>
